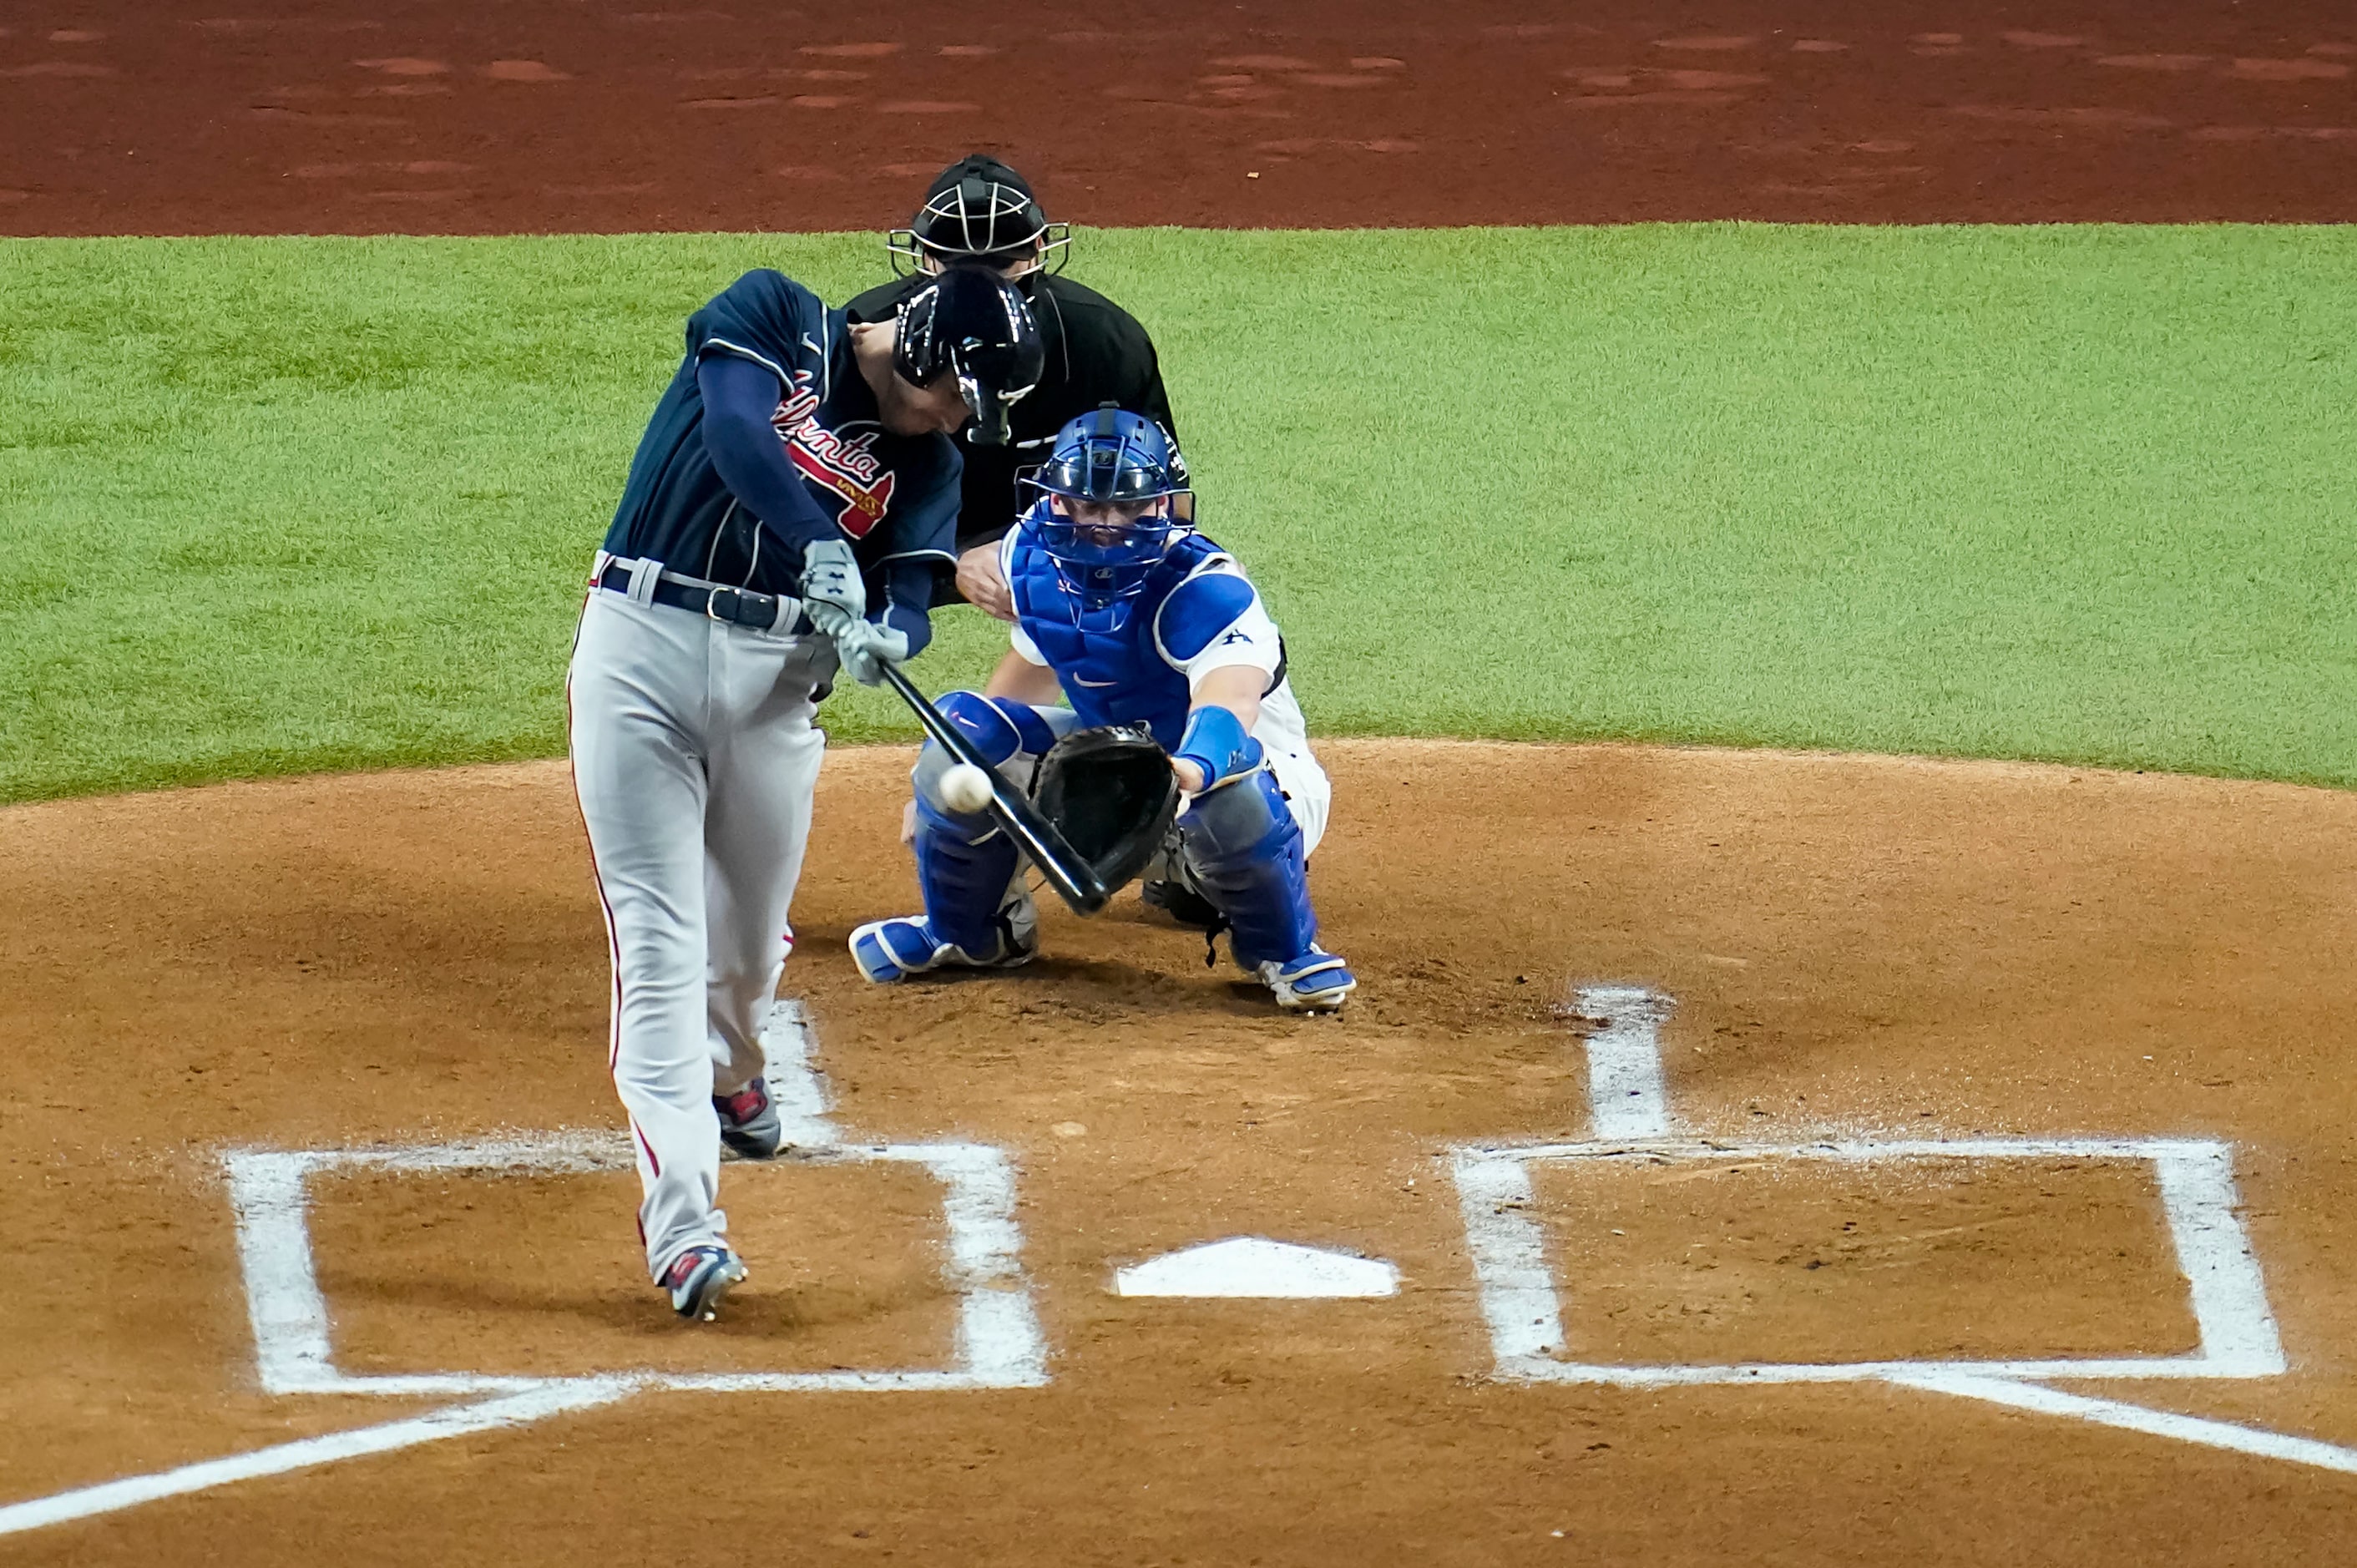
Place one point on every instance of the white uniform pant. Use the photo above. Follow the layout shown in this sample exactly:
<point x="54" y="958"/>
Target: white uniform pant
<point x="694" y="758"/>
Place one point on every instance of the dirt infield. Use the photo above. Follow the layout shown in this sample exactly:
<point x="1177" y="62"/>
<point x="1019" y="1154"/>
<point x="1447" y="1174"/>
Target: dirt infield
<point x="437" y="116"/>
<point x="1856" y="950"/>
<point x="1665" y="1063"/>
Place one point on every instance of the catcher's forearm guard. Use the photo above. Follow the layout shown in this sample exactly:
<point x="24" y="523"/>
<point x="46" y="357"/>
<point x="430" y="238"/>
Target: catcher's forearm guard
<point x="1217" y="743"/>
<point x="1111" y="793"/>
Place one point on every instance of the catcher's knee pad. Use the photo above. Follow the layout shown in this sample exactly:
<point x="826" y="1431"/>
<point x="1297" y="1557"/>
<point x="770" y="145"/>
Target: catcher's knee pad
<point x="998" y="726"/>
<point x="1003" y="731"/>
<point x="1244" y="849"/>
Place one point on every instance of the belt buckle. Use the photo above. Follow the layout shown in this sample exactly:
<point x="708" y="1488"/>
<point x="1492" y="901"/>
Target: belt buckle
<point x="711" y="606"/>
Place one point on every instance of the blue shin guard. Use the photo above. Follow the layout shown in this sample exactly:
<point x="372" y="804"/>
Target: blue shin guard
<point x="973" y="916"/>
<point x="963" y="866"/>
<point x="1244" y="851"/>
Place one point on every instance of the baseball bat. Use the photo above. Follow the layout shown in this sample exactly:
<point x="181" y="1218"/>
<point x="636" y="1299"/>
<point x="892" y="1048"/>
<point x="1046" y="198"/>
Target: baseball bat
<point x="1074" y="880"/>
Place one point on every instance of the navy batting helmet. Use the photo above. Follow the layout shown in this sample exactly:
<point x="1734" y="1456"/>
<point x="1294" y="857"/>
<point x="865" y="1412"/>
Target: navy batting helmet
<point x="976" y="325"/>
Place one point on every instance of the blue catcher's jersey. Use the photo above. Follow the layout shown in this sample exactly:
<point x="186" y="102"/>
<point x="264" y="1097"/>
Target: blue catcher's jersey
<point x="1198" y="612"/>
<point x="893" y="495"/>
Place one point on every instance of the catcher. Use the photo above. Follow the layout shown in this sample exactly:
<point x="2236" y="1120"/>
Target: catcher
<point x="1152" y="634"/>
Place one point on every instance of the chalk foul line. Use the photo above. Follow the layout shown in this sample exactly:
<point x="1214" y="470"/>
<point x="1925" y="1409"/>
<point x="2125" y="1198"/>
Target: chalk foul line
<point x="508" y="1409"/>
<point x="2045" y="1400"/>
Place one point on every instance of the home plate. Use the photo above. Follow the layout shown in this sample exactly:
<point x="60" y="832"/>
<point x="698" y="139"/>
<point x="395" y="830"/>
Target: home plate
<point x="1256" y="1266"/>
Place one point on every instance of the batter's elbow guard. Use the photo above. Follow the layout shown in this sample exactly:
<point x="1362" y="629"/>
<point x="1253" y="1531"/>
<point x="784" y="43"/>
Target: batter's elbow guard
<point x="910" y="622"/>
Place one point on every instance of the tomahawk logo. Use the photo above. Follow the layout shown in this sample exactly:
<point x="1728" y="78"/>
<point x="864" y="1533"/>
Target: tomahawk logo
<point x="846" y="468"/>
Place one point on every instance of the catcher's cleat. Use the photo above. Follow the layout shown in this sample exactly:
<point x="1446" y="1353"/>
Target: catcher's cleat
<point x="887" y="951"/>
<point x="699" y="1277"/>
<point x="1316" y="982"/>
<point x="748" y="1120"/>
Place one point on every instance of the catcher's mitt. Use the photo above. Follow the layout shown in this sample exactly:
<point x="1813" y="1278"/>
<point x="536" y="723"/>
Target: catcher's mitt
<point x="1112" y="792"/>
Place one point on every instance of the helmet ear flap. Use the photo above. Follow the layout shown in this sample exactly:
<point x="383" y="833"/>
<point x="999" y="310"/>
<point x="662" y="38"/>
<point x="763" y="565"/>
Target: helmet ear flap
<point x="913" y="338"/>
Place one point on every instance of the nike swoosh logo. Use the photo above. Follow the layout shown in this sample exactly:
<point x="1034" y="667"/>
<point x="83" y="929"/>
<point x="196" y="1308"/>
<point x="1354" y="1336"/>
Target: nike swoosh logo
<point x="810" y="346"/>
<point x="1084" y="681"/>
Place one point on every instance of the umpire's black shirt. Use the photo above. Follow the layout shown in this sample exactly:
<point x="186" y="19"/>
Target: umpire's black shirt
<point x="1097" y="353"/>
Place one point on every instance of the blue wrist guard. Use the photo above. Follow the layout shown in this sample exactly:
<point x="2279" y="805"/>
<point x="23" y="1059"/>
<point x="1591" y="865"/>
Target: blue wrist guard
<point x="1215" y="742"/>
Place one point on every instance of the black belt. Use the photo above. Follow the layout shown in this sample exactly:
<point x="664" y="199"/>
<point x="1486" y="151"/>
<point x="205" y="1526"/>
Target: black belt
<point x="740" y="606"/>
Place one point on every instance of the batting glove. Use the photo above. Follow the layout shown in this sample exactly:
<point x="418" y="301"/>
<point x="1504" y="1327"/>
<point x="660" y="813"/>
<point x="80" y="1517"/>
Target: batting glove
<point x="834" y="596"/>
<point x="866" y="647"/>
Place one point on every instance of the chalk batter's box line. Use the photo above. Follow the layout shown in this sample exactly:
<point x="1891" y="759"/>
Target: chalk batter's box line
<point x="999" y="1343"/>
<point x="2195" y="1176"/>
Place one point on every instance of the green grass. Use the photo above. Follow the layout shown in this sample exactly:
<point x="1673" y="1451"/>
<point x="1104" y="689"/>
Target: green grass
<point x="2071" y="493"/>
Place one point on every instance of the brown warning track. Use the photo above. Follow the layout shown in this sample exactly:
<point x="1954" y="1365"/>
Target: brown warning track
<point x="436" y="116"/>
<point x="1856" y="945"/>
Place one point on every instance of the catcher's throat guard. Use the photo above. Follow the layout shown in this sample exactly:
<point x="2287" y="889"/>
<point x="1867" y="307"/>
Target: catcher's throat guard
<point x="1111" y="793"/>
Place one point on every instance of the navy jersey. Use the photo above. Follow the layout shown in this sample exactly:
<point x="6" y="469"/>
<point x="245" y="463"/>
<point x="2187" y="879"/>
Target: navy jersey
<point x="1197" y="613"/>
<point x="895" y="497"/>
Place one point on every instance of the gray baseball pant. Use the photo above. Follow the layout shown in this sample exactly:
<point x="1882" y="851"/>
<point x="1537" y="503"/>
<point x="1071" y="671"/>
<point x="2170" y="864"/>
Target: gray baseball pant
<point x="694" y="758"/>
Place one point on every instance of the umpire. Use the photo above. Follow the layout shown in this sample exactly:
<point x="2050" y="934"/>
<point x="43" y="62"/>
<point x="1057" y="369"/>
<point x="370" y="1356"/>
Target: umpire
<point x="978" y="211"/>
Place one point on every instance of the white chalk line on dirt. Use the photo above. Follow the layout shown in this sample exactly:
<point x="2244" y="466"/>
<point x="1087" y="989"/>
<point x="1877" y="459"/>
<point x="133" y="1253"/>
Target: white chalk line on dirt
<point x="508" y="1409"/>
<point x="2048" y="1401"/>
<point x="1625" y="1095"/>
<point x="1521" y="1304"/>
<point x="1630" y="1113"/>
<point x="999" y="1343"/>
<point x="796" y="1087"/>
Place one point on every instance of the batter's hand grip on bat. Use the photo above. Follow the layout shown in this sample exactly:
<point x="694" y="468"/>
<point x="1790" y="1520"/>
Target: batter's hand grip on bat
<point x="1074" y="880"/>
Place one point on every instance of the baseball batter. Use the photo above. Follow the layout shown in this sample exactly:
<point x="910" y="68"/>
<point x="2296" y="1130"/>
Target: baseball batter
<point x="1135" y="619"/>
<point x="788" y="512"/>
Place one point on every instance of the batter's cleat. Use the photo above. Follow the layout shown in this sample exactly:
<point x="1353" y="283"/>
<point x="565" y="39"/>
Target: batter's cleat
<point x="1316" y="982"/>
<point x="887" y="951"/>
<point x="698" y="1278"/>
<point x="748" y="1122"/>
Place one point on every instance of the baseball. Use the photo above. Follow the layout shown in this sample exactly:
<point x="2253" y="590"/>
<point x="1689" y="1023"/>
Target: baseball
<point x="965" y="788"/>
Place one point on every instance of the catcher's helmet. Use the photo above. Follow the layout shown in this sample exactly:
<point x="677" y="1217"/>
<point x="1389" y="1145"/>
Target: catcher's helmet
<point x="976" y="325"/>
<point x="1108" y="458"/>
<point x="977" y="212"/>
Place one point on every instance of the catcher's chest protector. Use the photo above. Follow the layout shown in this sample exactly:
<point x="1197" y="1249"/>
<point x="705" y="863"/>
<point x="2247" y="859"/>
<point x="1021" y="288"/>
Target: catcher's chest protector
<point x="1111" y="675"/>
